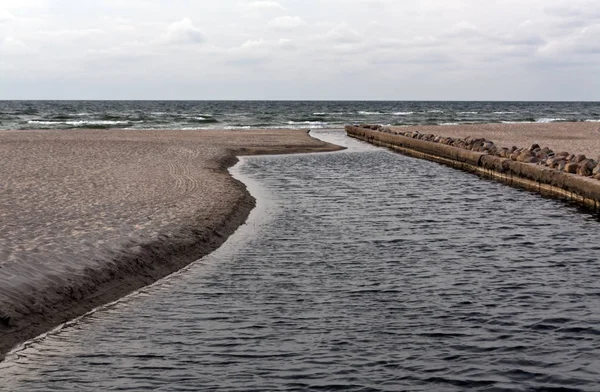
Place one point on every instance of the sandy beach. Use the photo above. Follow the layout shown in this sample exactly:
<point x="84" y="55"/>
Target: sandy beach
<point x="573" y="137"/>
<point x="88" y="216"/>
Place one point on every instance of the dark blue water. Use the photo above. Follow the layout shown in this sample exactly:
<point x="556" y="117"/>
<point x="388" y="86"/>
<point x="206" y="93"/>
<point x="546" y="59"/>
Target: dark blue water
<point x="363" y="271"/>
<point x="278" y="114"/>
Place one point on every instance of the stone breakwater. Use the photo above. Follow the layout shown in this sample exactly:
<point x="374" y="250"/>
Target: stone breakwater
<point x="558" y="174"/>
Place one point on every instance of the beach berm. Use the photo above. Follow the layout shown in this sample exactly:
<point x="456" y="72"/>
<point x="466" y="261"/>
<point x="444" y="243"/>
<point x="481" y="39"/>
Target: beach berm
<point x="87" y="216"/>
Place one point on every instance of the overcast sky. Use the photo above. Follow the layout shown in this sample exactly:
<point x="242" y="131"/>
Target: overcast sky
<point x="300" y="49"/>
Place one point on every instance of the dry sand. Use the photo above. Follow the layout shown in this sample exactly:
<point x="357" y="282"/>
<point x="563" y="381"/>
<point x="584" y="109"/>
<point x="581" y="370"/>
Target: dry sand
<point x="88" y="216"/>
<point x="577" y="138"/>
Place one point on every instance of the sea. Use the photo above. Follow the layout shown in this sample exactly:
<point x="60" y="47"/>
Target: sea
<point x="191" y="115"/>
<point x="359" y="270"/>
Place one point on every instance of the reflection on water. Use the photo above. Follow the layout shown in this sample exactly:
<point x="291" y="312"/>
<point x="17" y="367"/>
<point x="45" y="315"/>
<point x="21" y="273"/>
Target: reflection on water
<point x="360" y="270"/>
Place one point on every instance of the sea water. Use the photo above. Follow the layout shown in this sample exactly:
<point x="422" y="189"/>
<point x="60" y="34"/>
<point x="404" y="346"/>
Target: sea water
<point x="279" y="114"/>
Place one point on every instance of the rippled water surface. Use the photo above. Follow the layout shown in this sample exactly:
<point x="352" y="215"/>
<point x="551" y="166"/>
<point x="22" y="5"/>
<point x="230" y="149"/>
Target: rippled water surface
<point x="360" y="270"/>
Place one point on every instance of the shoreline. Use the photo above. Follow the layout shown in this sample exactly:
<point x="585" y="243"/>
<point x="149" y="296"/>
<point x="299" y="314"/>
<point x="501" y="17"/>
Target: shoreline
<point x="52" y="292"/>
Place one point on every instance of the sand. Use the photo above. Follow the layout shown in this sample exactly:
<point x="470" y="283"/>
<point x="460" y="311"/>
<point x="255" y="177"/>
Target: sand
<point x="577" y="138"/>
<point x="87" y="216"/>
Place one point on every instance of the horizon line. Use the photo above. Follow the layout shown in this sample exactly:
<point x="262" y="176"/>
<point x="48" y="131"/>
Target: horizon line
<point x="293" y="100"/>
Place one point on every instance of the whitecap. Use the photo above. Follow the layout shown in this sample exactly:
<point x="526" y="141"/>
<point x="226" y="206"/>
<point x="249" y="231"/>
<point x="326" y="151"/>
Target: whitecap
<point x="402" y="113"/>
<point x="504" y="112"/>
<point x="96" y="122"/>
<point x="77" y="123"/>
<point x="549" y="120"/>
<point x="306" y="123"/>
<point x="366" y="113"/>
<point x="44" y="122"/>
<point x="312" y="126"/>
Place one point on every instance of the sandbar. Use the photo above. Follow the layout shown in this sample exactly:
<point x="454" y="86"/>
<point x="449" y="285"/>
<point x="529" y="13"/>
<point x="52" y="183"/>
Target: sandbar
<point x="88" y="216"/>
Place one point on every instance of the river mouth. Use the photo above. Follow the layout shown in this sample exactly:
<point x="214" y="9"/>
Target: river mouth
<point x="358" y="270"/>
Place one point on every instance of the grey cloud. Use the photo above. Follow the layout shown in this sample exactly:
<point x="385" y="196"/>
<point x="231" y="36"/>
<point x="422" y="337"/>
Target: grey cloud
<point x="574" y="15"/>
<point x="574" y="11"/>
<point x="464" y="30"/>
<point x="535" y="40"/>
<point x="429" y="57"/>
<point x="344" y="34"/>
<point x="317" y="40"/>
<point x="287" y="22"/>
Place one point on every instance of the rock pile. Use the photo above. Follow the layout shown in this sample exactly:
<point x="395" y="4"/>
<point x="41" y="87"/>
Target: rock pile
<point x="534" y="154"/>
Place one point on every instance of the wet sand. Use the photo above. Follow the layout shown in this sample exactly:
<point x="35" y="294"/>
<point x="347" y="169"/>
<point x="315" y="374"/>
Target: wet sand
<point x="88" y="216"/>
<point x="576" y="138"/>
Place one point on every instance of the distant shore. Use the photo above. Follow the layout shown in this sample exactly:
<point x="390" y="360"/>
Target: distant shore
<point x="87" y="216"/>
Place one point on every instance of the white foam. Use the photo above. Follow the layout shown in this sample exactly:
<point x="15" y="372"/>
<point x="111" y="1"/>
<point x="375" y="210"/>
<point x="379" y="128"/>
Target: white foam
<point x="549" y="120"/>
<point x="306" y="123"/>
<point x="44" y="122"/>
<point x="77" y="123"/>
<point x="435" y="111"/>
<point x="504" y="112"/>
<point x="294" y="127"/>
<point x="449" y="123"/>
<point x="402" y="113"/>
<point x="592" y="120"/>
<point x="365" y="113"/>
<point x="336" y="113"/>
<point x="468" y="112"/>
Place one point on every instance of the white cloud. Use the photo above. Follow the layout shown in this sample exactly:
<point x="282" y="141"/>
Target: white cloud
<point x="6" y="16"/>
<point x="12" y="46"/>
<point x="253" y="44"/>
<point x="583" y="43"/>
<point x="264" y="5"/>
<point x="183" y="31"/>
<point x="287" y="22"/>
<point x="286" y="43"/>
<point x="71" y="33"/>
